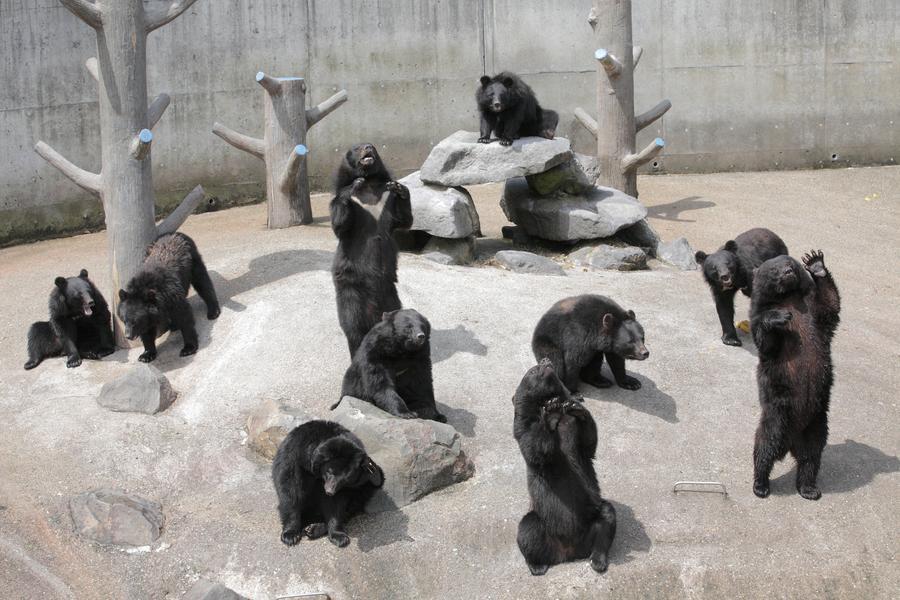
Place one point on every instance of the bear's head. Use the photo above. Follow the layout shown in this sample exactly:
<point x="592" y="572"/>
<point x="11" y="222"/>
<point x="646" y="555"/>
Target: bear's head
<point x="362" y="160"/>
<point x="496" y="94"/>
<point x="139" y="312"/>
<point x="627" y="335"/>
<point x="409" y="329"/>
<point x="779" y="277"/>
<point x="540" y="383"/>
<point x="341" y="464"/>
<point x="720" y="269"/>
<point x="74" y="296"/>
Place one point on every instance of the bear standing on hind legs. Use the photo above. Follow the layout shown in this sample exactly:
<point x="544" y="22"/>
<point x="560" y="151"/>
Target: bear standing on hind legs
<point x="558" y="439"/>
<point x="508" y="106"/>
<point x="793" y="315"/>
<point x="368" y="206"/>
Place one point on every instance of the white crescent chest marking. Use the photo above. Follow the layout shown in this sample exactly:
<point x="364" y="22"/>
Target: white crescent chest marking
<point x="374" y="209"/>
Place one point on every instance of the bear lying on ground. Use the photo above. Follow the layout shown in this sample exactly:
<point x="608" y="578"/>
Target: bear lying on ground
<point x="731" y="269"/>
<point x="508" y="106"/>
<point x="368" y="206"/>
<point x="323" y="477"/>
<point x="577" y="332"/>
<point x="79" y="325"/>
<point x="155" y="300"/>
<point x="794" y="313"/>
<point x="558" y="439"/>
<point x="392" y="367"/>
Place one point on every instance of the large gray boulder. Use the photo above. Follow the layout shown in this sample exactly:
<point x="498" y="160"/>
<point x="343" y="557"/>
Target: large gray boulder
<point x="207" y="590"/>
<point x="527" y="262"/>
<point x="560" y="217"/>
<point x="116" y="518"/>
<point x="679" y="253"/>
<point x="442" y="211"/>
<point x="610" y="258"/>
<point x="460" y="160"/>
<point x="143" y="388"/>
<point x="417" y="456"/>
<point x="575" y="176"/>
<point x="270" y="423"/>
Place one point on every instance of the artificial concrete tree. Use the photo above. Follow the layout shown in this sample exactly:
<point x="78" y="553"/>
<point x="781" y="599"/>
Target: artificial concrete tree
<point x="124" y="184"/>
<point x="283" y="147"/>
<point x="616" y="125"/>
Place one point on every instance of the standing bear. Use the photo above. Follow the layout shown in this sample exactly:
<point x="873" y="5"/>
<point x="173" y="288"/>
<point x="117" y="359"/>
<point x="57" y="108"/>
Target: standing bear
<point x="731" y="269"/>
<point x="368" y="206"/>
<point x="155" y="299"/>
<point x="794" y="313"/>
<point x="577" y="332"/>
<point x="508" y="106"/>
<point x="79" y="325"/>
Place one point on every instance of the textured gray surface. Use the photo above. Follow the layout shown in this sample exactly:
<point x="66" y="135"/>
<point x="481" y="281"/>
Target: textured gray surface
<point x="116" y="518"/>
<point x="678" y="252"/>
<point x="528" y="262"/>
<point x="442" y="211"/>
<point x="604" y="257"/>
<point x="143" y="388"/>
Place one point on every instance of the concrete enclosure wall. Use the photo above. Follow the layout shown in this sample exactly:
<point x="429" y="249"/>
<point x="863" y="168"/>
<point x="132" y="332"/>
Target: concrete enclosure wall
<point x="764" y="84"/>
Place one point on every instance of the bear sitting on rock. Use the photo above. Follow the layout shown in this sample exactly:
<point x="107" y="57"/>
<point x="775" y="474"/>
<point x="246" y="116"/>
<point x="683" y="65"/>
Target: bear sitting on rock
<point x="508" y="106"/>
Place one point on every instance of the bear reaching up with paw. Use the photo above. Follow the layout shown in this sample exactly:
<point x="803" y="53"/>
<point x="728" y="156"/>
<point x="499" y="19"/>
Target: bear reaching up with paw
<point x="793" y="316"/>
<point x="509" y="108"/>
<point x="368" y="206"/>
<point x="79" y="325"/>
<point x="155" y="300"/>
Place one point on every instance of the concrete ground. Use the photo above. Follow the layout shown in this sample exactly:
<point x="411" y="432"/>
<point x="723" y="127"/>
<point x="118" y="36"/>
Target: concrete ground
<point x="278" y="336"/>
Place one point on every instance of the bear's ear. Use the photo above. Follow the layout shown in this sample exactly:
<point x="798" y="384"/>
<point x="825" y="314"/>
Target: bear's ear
<point x="508" y="82"/>
<point x="123" y="295"/>
<point x="631" y="315"/>
<point x="731" y="246"/>
<point x="150" y="296"/>
<point x="609" y="321"/>
<point x="485" y="81"/>
<point x="60" y="282"/>
<point x="700" y="256"/>
<point x="373" y="472"/>
<point x="83" y="274"/>
<point x="386" y="316"/>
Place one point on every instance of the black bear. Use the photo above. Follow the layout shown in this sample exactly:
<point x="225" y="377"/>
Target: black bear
<point x="155" y="300"/>
<point x="368" y="206"/>
<point x="558" y="439"/>
<point x="323" y="477"/>
<point x="731" y="269"/>
<point x="794" y="313"/>
<point x="509" y="107"/>
<point x="577" y="332"/>
<point x="392" y="367"/>
<point x="79" y="324"/>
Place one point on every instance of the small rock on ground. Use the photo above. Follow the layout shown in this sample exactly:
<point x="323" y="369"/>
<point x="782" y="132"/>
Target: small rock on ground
<point x="460" y="160"/>
<point x="564" y="217"/>
<point x="207" y="590"/>
<point x="417" y="456"/>
<point x="527" y="262"/>
<point x="116" y="518"/>
<point x="615" y="258"/>
<point x="678" y="253"/>
<point x="442" y="211"/>
<point x="143" y="389"/>
<point x="269" y="424"/>
<point x="457" y="252"/>
<point x="642" y="235"/>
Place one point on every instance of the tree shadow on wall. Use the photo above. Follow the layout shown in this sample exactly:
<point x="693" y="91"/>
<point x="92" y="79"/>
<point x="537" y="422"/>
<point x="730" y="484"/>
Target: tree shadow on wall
<point x="672" y="211"/>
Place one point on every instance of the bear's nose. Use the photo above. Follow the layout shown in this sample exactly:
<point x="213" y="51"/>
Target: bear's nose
<point x="420" y="336"/>
<point x="496" y="105"/>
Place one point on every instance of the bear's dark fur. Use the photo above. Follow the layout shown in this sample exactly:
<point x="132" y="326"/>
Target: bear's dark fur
<point x="577" y="332"/>
<point x="79" y="324"/>
<point x="155" y="300"/>
<point x="392" y="367"/>
<point x="794" y="313"/>
<point x="323" y="477"/>
<point x="558" y="439"/>
<point x="731" y="269"/>
<point x="508" y="106"/>
<point x="368" y="206"/>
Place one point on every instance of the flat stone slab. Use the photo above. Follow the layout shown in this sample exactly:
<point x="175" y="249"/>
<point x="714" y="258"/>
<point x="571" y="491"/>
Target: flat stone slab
<point x="678" y="253"/>
<point x="460" y="160"/>
<point x="207" y="590"/>
<point x="562" y="217"/>
<point x="452" y="252"/>
<point x="417" y="456"/>
<point x="116" y="518"/>
<point x="442" y="211"/>
<point x="268" y="425"/>
<point x="143" y="389"/>
<point x="527" y="262"/>
<point x="610" y="258"/>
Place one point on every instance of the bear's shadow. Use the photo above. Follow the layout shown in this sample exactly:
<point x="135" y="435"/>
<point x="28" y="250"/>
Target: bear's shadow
<point x="447" y="342"/>
<point x="649" y="399"/>
<point x="845" y="467"/>
<point x="461" y="419"/>
<point x="630" y="535"/>
<point x="379" y="529"/>
<point x="262" y="270"/>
